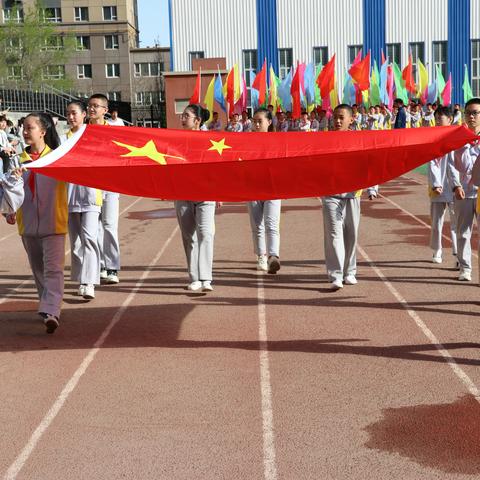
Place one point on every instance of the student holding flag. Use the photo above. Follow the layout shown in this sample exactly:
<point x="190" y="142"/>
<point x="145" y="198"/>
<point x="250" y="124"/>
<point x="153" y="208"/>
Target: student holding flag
<point x="197" y="221"/>
<point x="265" y="214"/>
<point x="341" y="220"/>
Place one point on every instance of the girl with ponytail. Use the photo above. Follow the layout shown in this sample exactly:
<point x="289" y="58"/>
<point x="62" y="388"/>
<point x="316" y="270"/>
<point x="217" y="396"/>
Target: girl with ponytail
<point x="197" y="220"/>
<point x="43" y="219"/>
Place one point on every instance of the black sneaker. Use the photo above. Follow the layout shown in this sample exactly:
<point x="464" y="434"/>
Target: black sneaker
<point x="273" y="264"/>
<point x="51" y="322"/>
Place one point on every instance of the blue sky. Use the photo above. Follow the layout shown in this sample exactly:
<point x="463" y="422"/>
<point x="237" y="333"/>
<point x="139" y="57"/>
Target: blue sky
<point x="153" y="22"/>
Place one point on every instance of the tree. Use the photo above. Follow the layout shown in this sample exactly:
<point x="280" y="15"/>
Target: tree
<point x="33" y="52"/>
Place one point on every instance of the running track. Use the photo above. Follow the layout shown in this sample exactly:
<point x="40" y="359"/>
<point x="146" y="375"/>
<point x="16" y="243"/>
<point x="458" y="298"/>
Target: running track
<point x="268" y="377"/>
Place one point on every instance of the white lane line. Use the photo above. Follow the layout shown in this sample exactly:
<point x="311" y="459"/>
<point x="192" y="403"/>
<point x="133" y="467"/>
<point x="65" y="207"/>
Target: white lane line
<point x="270" y="469"/>
<point x="24" y="455"/>
<point x="464" y="378"/>
<point x="8" y="236"/>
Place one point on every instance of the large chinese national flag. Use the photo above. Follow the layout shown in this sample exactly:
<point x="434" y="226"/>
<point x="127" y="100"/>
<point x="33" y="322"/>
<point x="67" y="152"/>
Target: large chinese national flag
<point x="197" y="165"/>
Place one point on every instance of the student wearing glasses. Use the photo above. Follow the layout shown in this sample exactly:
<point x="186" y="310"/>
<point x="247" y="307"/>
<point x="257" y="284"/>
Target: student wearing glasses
<point x="466" y="203"/>
<point x="197" y="220"/>
<point x="108" y="225"/>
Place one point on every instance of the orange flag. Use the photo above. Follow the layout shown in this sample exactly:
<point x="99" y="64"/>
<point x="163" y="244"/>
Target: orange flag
<point x="360" y="73"/>
<point x="326" y="79"/>
<point x="407" y="75"/>
<point x="195" y="98"/>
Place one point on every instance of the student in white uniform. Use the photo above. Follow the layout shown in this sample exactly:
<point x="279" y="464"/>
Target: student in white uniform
<point x="304" y="123"/>
<point x="341" y="220"/>
<point x="265" y="214"/>
<point x="115" y="119"/>
<point x="197" y="221"/>
<point x="108" y="243"/>
<point x="215" y="124"/>
<point x="441" y="194"/>
<point x="42" y="219"/>
<point x="466" y="206"/>
<point x="84" y="205"/>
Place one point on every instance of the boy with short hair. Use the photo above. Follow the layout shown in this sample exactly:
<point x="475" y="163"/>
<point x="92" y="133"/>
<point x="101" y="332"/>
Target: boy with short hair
<point x="108" y="225"/>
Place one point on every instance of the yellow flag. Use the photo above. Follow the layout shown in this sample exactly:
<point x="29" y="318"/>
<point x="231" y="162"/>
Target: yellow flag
<point x="209" y="98"/>
<point x="423" y="77"/>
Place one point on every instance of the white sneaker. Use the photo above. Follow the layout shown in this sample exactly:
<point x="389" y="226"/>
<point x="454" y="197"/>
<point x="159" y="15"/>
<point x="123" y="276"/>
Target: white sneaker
<point x="207" y="286"/>
<point x="337" y="284"/>
<point x="194" y="286"/>
<point x="103" y="274"/>
<point x="81" y="290"/>
<point x="350" y="280"/>
<point x="465" y="276"/>
<point x="88" y="292"/>
<point x="112" y="277"/>
<point x="437" y="256"/>
<point x="262" y="263"/>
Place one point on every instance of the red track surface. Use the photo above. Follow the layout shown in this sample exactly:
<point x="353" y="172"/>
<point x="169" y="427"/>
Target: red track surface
<point x="376" y="381"/>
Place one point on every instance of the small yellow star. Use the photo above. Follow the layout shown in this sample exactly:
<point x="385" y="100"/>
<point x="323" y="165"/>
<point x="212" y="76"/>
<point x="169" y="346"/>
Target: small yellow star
<point x="149" y="150"/>
<point x="219" y="146"/>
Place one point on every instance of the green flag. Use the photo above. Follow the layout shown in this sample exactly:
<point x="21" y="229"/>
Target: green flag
<point x="318" y="98"/>
<point x="400" y="90"/>
<point x="440" y="84"/>
<point x="467" y="89"/>
<point x="375" y="86"/>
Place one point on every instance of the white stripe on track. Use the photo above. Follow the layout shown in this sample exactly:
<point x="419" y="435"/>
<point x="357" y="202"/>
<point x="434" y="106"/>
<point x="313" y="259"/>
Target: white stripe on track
<point x="269" y="465"/>
<point x="464" y="378"/>
<point x="419" y="220"/>
<point x="24" y="455"/>
<point x="8" y="236"/>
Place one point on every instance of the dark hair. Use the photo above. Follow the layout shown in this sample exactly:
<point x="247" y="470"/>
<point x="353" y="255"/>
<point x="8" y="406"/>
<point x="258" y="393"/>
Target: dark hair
<point x="399" y="101"/>
<point x="268" y="114"/>
<point x="472" y="101"/>
<point x="45" y="121"/>
<point x="344" y="106"/>
<point x="443" y="110"/>
<point x="201" y="113"/>
<point x="99" y="96"/>
<point x="79" y="104"/>
<point x="3" y="118"/>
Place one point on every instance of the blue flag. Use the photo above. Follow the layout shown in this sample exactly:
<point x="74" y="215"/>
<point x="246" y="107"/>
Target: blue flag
<point x="309" y="82"/>
<point x="384" y="98"/>
<point x="432" y="92"/>
<point x="254" y="93"/>
<point x="218" y="93"/>
<point x="284" y="92"/>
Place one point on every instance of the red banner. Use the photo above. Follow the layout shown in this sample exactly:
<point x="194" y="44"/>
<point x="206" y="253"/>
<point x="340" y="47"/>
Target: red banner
<point x="224" y="166"/>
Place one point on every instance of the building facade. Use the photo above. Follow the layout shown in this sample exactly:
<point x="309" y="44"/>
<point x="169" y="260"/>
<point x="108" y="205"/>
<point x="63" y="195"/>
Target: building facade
<point x="107" y="58"/>
<point x="443" y="33"/>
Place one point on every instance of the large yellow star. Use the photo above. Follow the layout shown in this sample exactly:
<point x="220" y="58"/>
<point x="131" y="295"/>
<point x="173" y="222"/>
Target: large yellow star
<point x="149" y="150"/>
<point x="219" y="146"/>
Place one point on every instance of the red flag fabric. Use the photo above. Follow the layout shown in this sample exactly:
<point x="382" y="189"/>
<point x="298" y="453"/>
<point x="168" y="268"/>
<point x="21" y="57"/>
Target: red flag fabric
<point x="383" y="57"/>
<point x="227" y="166"/>
<point x="447" y="92"/>
<point x="296" y="89"/>
<point x="326" y="78"/>
<point x="260" y="83"/>
<point x="195" y="98"/>
<point x="407" y="75"/>
<point x="360" y="73"/>
<point x="231" y="91"/>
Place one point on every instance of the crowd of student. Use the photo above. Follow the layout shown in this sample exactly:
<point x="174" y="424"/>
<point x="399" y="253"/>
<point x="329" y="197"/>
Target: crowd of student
<point x="377" y="117"/>
<point x="45" y="209"/>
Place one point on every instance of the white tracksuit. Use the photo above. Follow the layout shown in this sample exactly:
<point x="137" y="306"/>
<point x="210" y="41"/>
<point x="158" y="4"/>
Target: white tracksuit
<point x="341" y="220"/>
<point x="460" y="174"/>
<point x="437" y="177"/>
<point x="265" y="224"/>
<point x="197" y="224"/>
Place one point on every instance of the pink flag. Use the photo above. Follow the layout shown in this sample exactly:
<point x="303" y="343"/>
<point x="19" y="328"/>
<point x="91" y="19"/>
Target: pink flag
<point x="447" y="92"/>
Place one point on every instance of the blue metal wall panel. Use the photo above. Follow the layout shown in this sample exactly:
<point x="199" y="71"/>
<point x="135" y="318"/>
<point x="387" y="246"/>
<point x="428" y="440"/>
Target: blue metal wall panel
<point x="459" y="44"/>
<point x="374" y="28"/>
<point x="267" y="33"/>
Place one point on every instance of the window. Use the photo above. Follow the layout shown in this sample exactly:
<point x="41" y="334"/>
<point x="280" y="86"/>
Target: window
<point x="394" y="53"/>
<point x="440" y="57"/>
<point x="112" y="70"/>
<point x="55" y="42"/>
<point x="81" y="14"/>
<point x="181" y="105"/>
<point x="52" y="14"/>
<point x="54" y="72"/>
<point x="476" y="68"/>
<point x="84" y="71"/>
<point x="13" y="43"/>
<point x="147" y="98"/>
<point x="418" y="53"/>
<point x="285" y="61"/>
<point x="111" y="42"/>
<point x="147" y="69"/>
<point x="193" y="56"/>
<point x="15" y="72"/>
<point x="320" y="56"/>
<point x="250" y="69"/>
<point x="110" y="13"/>
<point x="147" y="122"/>
<point x="13" y="15"/>
<point x="353" y="52"/>
<point x="114" y="96"/>
<point x="83" y="42"/>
